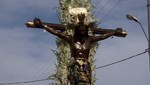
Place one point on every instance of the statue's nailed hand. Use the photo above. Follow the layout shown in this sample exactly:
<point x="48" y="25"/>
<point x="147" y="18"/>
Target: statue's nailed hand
<point x="120" y="32"/>
<point x="38" y="22"/>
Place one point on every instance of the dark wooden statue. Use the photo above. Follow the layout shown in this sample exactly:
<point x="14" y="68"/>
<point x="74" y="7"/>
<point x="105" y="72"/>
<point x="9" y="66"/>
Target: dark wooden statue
<point x="80" y="45"/>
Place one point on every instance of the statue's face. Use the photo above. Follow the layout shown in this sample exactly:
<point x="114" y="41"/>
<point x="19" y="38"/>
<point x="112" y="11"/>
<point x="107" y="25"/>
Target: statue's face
<point x="81" y="17"/>
<point x="83" y="30"/>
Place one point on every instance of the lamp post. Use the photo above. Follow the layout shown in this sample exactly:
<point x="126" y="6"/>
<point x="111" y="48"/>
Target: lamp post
<point x="130" y="17"/>
<point x="148" y="11"/>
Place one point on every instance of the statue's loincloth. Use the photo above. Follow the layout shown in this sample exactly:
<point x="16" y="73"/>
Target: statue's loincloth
<point x="80" y="72"/>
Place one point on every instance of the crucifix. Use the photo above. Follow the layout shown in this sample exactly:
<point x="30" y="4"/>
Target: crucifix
<point x="80" y="42"/>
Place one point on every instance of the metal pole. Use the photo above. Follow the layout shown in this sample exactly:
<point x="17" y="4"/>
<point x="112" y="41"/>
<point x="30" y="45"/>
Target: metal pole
<point x="148" y="11"/>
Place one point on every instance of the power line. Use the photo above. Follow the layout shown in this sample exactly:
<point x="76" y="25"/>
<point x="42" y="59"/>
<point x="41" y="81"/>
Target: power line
<point x="98" y="3"/>
<point x="147" y="50"/>
<point x="110" y="10"/>
<point x="102" y="8"/>
<point x="30" y="81"/>
<point x="43" y="69"/>
<point x="24" y="82"/>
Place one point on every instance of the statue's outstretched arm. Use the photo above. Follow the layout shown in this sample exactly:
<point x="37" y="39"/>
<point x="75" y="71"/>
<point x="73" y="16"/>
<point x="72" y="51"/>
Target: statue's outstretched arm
<point x="102" y="37"/>
<point x="121" y="33"/>
<point x="95" y="30"/>
<point x="57" y="33"/>
<point x="31" y="24"/>
<point x="107" y="33"/>
<point x="51" y="29"/>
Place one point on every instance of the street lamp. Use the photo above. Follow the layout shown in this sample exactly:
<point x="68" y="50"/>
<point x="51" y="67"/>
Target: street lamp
<point x="130" y="17"/>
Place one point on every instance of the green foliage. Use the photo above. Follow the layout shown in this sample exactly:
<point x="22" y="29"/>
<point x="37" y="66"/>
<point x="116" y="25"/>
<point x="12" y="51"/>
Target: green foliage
<point x="63" y="54"/>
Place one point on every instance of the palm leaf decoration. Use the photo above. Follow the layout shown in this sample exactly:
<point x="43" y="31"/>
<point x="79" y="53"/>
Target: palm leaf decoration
<point x="63" y="53"/>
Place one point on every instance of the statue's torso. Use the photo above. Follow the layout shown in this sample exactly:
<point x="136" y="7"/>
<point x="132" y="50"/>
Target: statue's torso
<point x="81" y="50"/>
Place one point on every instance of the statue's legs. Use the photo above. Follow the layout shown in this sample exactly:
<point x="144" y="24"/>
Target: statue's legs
<point x="80" y="73"/>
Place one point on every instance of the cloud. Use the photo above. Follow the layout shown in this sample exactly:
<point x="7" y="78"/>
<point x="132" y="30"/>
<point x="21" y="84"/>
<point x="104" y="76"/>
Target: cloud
<point x="16" y="12"/>
<point x="20" y="56"/>
<point x="25" y="53"/>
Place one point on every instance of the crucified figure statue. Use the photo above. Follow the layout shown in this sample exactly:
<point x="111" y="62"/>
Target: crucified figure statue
<point x="80" y="44"/>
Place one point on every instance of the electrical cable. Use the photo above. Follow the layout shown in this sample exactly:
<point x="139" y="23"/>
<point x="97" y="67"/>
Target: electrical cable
<point x="100" y="66"/>
<point x="43" y="69"/>
<point x="147" y="50"/>
<point x="23" y="82"/>
<point x="110" y="10"/>
<point x="43" y="72"/>
<point x="40" y="71"/>
<point x="98" y="3"/>
<point x="102" y="8"/>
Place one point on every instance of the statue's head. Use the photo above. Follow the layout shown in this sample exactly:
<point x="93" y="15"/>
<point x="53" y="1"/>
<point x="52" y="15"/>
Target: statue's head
<point x="81" y="18"/>
<point x="83" y="31"/>
<point x="81" y="28"/>
<point x="75" y="13"/>
<point x="78" y="18"/>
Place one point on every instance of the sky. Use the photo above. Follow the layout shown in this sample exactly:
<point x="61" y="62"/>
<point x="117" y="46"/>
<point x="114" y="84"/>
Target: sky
<point x="25" y="54"/>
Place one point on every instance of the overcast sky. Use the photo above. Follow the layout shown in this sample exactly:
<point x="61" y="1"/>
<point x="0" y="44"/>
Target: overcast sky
<point x="25" y="53"/>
